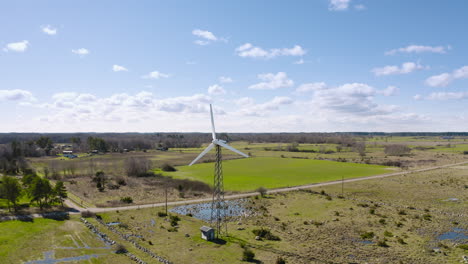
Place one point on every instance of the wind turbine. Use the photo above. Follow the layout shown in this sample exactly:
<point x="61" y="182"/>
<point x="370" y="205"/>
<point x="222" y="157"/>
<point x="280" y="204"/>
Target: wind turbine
<point x="218" y="206"/>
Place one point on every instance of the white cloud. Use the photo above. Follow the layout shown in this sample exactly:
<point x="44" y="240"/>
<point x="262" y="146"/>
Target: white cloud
<point x="118" y="68"/>
<point x="405" y="68"/>
<point x="419" y="49"/>
<point x="417" y="97"/>
<point x="204" y="34"/>
<point x="448" y="96"/>
<point x="49" y="30"/>
<point x="207" y="37"/>
<point x="338" y="5"/>
<point x="16" y="95"/>
<point x="308" y="87"/>
<point x="272" y="81"/>
<point x="21" y="46"/>
<point x="224" y="79"/>
<point x="445" y="79"/>
<point x="245" y="101"/>
<point x="251" y="109"/>
<point x="360" y="7"/>
<point x="201" y="42"/>
<point x="301" y="61"/>
<point x="81" y="51"/>
<point x="216" y="90"/>
<point x="248" y="50"/>
<point x="351" y="99"/>
<point x="390" y="91"/>
<point x="156" y="75"/>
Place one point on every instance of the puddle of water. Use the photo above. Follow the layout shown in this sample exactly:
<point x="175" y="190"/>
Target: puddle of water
<point x="367" y="242"/>
<point x="49" y="258"/>
<point x="457" y="234"/>
<point x="452" y="200"/>
<point x="236" y="208"/>
<point x="113" y="223"/>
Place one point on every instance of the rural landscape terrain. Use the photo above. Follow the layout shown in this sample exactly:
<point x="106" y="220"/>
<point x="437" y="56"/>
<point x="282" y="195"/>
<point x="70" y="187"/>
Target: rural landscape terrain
<point x="233" y="132"/>
<point x="412" y="211"/>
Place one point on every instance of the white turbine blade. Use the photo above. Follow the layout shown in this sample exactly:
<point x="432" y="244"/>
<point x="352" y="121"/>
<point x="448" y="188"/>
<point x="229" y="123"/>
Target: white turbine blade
<point x="231" y="148"/>
<point x="212" y="123"/>
<point x="202" y="154"/>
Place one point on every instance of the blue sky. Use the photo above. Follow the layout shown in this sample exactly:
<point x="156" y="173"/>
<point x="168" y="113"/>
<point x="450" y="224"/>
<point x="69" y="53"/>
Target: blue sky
<point x="267" y="66"/>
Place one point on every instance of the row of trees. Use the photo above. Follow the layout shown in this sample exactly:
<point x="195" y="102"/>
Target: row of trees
<point x="38" y="190"/>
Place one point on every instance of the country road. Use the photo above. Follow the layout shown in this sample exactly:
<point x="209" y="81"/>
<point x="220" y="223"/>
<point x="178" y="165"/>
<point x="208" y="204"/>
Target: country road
<point x="243" y="195"/>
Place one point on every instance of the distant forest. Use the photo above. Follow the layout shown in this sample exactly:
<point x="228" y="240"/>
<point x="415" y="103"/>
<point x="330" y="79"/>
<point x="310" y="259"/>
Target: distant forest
<point x="147" y="140"/>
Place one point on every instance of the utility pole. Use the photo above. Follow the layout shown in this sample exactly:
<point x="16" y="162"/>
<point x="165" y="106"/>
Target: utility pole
<point x="342" y="185"/>
<point x="165" y="192"/>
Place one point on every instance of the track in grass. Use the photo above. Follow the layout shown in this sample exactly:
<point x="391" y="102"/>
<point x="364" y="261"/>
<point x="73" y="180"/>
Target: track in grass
<point x="249" y="174"/>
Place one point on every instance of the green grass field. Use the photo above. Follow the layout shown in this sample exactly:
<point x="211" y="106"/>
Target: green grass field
<point x="249" y="174"/>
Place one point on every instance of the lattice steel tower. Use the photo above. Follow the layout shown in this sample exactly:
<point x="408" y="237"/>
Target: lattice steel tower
<point x="218" y="205"/>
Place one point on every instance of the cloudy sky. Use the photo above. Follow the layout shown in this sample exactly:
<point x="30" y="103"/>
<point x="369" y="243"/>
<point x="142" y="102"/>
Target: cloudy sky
<point x="267" y="66"/>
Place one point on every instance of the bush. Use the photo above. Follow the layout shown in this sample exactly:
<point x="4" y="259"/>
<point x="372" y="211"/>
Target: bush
<point x="465" y="152"/>
<point x="137" y="167"/>
<point x="248" y="255"/>
<point x="127" y="199"/>
<point x="388" y="233"/>
<point x="280" y="260"/>
<point x="401" y="241"/>
<point x="262" y="191"/>
<point x="162" y="214"/>
<point x="463" y="246"/>
<point x="87" y="214"/>
<point x="427" y="217"/>
<point x="174" y="220"/>
<point x="382" y="243"/>
<point x="120" y="249"/>
<point x="367" y="235"/>
<point x="397" y="150"/>
<point x="266" y="234"/>
<point x="167" y="167"/>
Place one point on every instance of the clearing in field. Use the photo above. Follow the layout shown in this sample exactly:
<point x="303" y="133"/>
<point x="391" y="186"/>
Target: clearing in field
<point x="249" y="174"/>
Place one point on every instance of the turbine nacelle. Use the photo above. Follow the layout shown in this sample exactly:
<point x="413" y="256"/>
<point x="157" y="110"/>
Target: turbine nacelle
<point x="216" y="141"/>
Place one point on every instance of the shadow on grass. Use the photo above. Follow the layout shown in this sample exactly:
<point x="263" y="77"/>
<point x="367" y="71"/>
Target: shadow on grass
<point x="219" y="241"/>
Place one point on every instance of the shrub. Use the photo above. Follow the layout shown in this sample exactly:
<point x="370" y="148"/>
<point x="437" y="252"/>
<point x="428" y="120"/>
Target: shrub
<point x="382" y="221"/>
<point x="463" y="246"/>
<point x="401" y="241"/>
<point x="168" y="167"/>
<point x="120" y="249"/>
<point x="427" y="217"/>
<point x="87" y="214"/>
<point x="465" y="152"/>
<point x="397" y="150"/>
<point x="280" y="260"/>
<point x="265" y="233"/>
<point x="162" y="214"/>
<point x="372" y="211"/>
<point x="382" y="243"/>
<point x="127" y="199"/>
<point x="248" y="255"/>
<point x="402" y="212"/>
<point x="367" y="235"/>
<point x="174" y="220"/>
<point x="388" y="233"/>
<point x="262" y="191"/>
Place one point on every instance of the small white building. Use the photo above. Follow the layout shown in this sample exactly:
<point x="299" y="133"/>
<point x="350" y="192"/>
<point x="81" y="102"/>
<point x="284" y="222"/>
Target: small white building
<point x="207" y="233"/>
